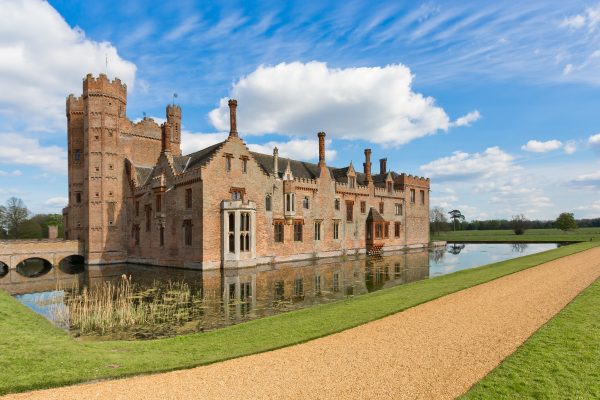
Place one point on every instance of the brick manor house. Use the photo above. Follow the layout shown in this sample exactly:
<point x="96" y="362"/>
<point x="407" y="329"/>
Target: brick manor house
<point x="133" y="197"/>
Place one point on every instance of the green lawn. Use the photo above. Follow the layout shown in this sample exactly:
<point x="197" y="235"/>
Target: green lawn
<point x="560" y="361"/>
<point x="34" y="354"/>
<point x="531" y="235"/>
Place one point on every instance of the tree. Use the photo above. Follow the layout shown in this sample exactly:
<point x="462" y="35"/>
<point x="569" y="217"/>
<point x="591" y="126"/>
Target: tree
<point x="15" y="215"/>
<point x="438" y="220"/>
<point x="519" y="224"/>
<point x="565" y="222"/>
<point x="456" y="215"/>
<point x="3" y="233"/>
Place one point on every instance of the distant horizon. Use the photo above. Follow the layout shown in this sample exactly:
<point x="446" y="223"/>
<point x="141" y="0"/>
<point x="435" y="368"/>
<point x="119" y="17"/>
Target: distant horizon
<point x="496" y="103"/>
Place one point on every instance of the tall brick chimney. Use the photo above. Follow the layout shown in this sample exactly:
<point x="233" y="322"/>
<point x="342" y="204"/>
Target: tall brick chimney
<point x="321" y="149"/>
<point x="367" y="165"/>
<point x="232" y="118"/>
<point x="166" y="137"/>
<point x="276" y="162"/>
<point x="382" y="166"/>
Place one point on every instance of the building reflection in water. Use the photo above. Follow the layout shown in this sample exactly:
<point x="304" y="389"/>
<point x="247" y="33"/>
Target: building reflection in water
<point x="231" y="296"/>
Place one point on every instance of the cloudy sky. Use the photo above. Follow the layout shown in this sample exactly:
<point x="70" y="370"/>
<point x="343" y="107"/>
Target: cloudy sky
<point x="497" y="102"/>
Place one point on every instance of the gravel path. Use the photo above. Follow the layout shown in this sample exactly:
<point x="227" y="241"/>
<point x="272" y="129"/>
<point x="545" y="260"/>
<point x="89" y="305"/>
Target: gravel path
<point x="433" y="351"/>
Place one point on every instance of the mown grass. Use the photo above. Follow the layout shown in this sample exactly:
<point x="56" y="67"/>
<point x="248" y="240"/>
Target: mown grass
<point x="530" y="236"/>
<point x="34" y="354"/>
<point x="560" y="361"/>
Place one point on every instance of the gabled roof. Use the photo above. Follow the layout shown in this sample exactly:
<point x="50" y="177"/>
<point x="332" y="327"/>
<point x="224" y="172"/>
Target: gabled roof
<point x="143" y="174"/>
<point x="374" y="216"/>
<point x="300" y="169"/>
<point x="196" y="159"/>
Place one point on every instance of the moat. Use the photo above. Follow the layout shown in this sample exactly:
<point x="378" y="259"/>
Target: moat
<point x="132" y="301"/>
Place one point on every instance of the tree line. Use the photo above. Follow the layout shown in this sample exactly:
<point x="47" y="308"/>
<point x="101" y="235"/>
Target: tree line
<point x="17" y="222"/>
<point x="441" y="221"/>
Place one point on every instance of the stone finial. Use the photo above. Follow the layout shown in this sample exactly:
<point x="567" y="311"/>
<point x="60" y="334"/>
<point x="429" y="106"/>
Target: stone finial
<point x="232" y="118"/>
<point x="321" y="149"/>
<point x="382" y="166"/>
<point x="367" y="165"/>
<point x="276" y="162"/>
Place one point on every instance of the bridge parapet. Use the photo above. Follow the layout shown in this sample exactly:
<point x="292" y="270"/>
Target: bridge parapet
<point x="12" y="252"/>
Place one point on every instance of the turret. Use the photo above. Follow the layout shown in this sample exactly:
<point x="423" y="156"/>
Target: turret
<point x="174" y="120"/>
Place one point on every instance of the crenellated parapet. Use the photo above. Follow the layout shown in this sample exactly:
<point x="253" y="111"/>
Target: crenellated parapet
<point x="74" y="105"/>
<point x="412" y="180"/>
<point x="102" y="86"/>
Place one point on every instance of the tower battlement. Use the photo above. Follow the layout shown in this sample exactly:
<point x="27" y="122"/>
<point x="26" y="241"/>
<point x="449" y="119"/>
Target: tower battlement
<point x="103" y="85"/>
<point x="173" y="110"/>
<point x="410" y="180"/>
<point x="74" y="104"/>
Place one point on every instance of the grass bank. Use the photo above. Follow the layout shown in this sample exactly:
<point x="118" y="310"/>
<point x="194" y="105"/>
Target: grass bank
<point x="560" y="361"/>
<point x="530" y="236"/>
<point x="35" y="355"/>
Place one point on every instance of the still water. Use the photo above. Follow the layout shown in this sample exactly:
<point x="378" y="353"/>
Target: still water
<point x="131" y="301"/>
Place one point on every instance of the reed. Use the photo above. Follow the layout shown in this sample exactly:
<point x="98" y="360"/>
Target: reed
<point x="120" y="306"/>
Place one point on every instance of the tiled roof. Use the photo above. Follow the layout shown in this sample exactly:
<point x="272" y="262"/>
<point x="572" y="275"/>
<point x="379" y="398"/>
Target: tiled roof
<point x="196" y="159"/>
<point x="143" y="174"/>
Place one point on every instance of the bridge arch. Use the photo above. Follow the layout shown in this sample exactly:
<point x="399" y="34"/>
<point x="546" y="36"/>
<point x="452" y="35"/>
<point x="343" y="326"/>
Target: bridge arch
<point x="3" y="269"/>
<point x="33" y="267"/>
<point x="73" y="264"/>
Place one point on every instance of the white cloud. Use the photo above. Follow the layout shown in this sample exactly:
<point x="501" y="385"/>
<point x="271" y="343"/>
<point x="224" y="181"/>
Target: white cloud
<point x="468" y="119"/>
<point x="57" y="202"/>
<point x="16" y="172"/>
<point x="191" y="142"/>
<point x="43" y="59"/>
<point x="535" y="146"/>
<point x="376" y="104"/>
<point x="20" y="150"/>
<point x="570" y="147"/>
<point x="588" y="181"/>
<point x="574" y="22"/>
<point x="298" y="149"/>
<point x="465" y="166"/>
<point x="594" y="140"/>
<point x="568" y="69"/>
<point x="589" y="18"/>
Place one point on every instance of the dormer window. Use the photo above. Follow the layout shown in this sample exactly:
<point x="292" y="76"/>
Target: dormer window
<point x="352" y="182"/>
<point x="390" y="187"/>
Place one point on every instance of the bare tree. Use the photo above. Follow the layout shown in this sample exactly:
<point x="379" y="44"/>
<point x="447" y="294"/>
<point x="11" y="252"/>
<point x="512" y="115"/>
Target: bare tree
<point x="15" y="215"/>
<point x="438" y="220"/>
<point x="519" y="224"/>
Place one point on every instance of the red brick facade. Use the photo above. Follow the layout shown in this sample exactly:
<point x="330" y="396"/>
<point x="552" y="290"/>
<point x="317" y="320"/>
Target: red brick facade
<point x="134" y="197"/>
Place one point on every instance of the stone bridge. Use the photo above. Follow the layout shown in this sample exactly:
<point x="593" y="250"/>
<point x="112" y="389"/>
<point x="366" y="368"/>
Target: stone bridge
<point x="13" y="252"/>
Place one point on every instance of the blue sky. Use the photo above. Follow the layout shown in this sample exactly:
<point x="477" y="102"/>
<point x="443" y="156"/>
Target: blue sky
<point x="498" y="102"/>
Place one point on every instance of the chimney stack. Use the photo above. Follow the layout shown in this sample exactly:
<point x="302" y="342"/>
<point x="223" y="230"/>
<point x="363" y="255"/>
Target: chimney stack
<point x="166" y="137"/>
<point x="232" y="118"/>
<point x="276" y="162"/>
<point x="382" y="166"/>
<point x="321" y="149"/>
<point x="367" y="165"/>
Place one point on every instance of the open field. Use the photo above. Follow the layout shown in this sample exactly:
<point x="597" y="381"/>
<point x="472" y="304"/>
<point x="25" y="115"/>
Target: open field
<point x="37" y="355"/>
<point x="560" y="361"/>
<point x="530" y="236"/>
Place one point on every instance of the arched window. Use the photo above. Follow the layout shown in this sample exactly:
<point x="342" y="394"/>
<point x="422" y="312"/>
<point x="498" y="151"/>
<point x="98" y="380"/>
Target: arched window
<point x="268" y="205"/>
